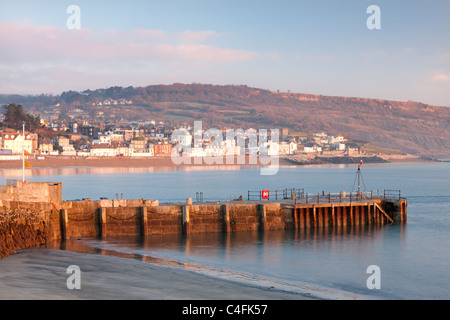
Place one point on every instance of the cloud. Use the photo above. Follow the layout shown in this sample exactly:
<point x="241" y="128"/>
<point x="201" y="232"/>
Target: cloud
<point x="28" y="43"/>
<point x="440" y="78"/>
<point x="321" y="58"/>
<point x="197" y="36"/>
<point x="35" y="58"/>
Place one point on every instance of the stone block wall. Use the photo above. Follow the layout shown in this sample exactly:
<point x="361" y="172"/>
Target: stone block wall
<point x="26" y="228"/>
<point x="244" y="217"/>
<point x="206" y="218"/>
<point x="30" y="224"/>
<point x="164" y="220"/>
<point x="17" y="190"/>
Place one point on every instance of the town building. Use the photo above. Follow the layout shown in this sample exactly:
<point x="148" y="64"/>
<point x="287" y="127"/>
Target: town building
<point x="15" y="142"/>
<point x="163" y="149"/>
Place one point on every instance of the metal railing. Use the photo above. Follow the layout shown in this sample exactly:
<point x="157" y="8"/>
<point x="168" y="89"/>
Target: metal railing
<point x="350" y="197"/>
<point x="277" y="194"/>
<point x="317" y="198"/>
<point x="199" y="197"/>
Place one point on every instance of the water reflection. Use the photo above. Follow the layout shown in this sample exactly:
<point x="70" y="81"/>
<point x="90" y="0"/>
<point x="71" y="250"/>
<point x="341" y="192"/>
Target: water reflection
<point x="285" y="259"/>
<point x="269" y="248"/>
<point x="64" y="171"/>
<point x="11" y="173"/>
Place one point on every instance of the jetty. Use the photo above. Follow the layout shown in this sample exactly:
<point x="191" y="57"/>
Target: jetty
<point x="34" y="213"/>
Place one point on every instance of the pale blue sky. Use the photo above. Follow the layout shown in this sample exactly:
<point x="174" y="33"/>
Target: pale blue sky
<point x="318" y="47"/>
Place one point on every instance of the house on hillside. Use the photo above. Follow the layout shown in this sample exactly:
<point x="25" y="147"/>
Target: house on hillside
<point x="311" y="148"/>
<point x="14" y="142"/>
<point x="45" y="146"/>
<point x="352" y="148"/>
<point x="138" y="144"/>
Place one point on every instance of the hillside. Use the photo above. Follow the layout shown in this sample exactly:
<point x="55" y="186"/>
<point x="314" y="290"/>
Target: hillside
<point x="412" y="127"/>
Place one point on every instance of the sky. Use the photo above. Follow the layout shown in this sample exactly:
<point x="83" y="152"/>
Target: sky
<point x="306" y="46"/>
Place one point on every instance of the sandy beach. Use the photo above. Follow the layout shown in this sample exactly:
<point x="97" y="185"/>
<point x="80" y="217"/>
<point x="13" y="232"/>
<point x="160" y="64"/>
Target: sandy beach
<point x="114" y="163"/>
<point x="163" y="162"/>
<point x="41" y="274"/>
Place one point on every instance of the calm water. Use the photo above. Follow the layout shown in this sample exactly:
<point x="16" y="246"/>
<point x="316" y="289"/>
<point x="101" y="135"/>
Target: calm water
<point x="414" y="259"/>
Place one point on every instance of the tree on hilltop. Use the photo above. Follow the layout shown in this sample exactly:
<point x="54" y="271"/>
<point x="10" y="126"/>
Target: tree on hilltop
<point x="15" y="116"/>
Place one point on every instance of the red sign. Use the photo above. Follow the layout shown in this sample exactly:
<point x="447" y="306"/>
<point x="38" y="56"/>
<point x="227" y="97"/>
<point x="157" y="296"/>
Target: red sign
<point x="265" y="194"/>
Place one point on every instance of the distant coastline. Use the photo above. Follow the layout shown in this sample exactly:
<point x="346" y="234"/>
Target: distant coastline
<point x="67" y="162"/>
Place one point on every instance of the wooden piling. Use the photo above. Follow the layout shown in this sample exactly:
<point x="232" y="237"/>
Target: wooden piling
<point x="356" y="215"/>
<point x="338" y="216"/>
<point x="303" y="215"/>
<point x="333" y="215"/>
<point x="326" y="218"/>
<point x="319" y="217"/>
<point x="309" y="218"/>
<point x="296" y="217"/>
<point x="314" y="216"/>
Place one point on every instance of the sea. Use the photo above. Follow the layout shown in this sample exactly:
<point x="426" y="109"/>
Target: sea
<point x="409" y="261"/>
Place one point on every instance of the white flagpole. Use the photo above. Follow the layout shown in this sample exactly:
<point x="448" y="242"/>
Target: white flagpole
<point x="23" y="153"/>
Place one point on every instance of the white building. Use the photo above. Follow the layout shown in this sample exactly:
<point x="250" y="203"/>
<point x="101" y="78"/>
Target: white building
<point x="311" y="148"/>
<point x="14" y="142"/>
<point x="150" y="152"/>
<point x="103" y="151"/>
<point x="339" y="146"/>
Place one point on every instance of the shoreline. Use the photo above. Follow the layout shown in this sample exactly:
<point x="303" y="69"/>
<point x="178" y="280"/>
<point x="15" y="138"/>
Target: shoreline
<point x="167" y="162"/>
<point x="41" y="274"/>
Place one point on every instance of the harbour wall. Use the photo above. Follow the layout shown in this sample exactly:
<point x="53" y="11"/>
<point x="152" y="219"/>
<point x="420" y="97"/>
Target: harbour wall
<point x="33" y="214"/>
<point x="32" y="224"/>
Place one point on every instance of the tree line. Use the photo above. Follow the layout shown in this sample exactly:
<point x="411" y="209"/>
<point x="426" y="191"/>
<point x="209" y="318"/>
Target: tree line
<point x="15" y="117"/>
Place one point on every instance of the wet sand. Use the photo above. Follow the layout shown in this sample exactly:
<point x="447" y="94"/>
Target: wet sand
<point x="41" y="274"/>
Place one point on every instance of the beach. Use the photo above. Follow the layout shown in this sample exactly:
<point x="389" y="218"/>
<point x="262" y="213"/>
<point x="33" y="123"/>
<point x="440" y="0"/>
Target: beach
<point x="62" y="162"/>
<point x="41" y="274"/>
<point x="167" y="161"/>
